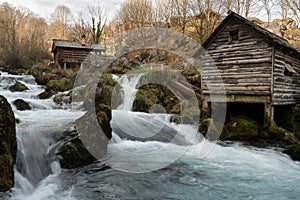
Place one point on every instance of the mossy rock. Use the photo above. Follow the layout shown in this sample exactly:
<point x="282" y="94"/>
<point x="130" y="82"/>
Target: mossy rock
<point x="279" y="134"/>
<point x="104" y="117"/>
<point x="211" y="130"/>
<point x="74" y="154"/>
<point x="153" y="94"/>
<point x="8" y="145"/>
<point x="105" y="89"/>
<point x="293" y="152"/>
<point x="22" y="105"/>
<point x="47" y="94"/>
<point x="18" y="87"/>
<point x="240" y="129"/>
<point x="60" y="85"/>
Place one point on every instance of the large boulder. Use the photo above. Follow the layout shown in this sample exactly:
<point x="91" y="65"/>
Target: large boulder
<point x="47" y="94"/>
<point x="74" y="154"/>
<point x="293" y="152"/>
<point x="18" y="87"/>
<point x="279" y="134"/>
<point x="22" y="105"/>
<point x="94" y="130"/>
<point x="154" y="94"/>
<point x="240" y="129"/>
<point x="8" y="145"/>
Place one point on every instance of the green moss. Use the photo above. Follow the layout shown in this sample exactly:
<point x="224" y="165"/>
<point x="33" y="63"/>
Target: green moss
<point x="204" y="124"/>
<point x="153" y="94"/>
<point x="8" y="145"/>
<point x="60" y="85"/>
<point x="279" y="134"/>
<point x="240" y="129"/>
<point x="294" y="152"/>
<point x="74" y="154"/>
<point x="18" y="87"/>
<point x="47" y="94"/>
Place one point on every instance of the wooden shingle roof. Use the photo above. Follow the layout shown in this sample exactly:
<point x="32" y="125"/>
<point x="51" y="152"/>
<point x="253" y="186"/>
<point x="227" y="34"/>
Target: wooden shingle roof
<point x="272" y="38"/>
<point x="76" y="45"/>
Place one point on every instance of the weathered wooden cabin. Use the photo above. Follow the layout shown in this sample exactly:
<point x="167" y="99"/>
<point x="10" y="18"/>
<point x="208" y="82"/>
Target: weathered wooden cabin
<point x="69" y="55"/>
<point x="260" y="70"/>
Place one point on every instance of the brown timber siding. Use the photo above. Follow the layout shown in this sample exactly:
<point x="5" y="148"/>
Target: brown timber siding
<point x="286" y="88"/>
<point x="70" y="55"/>
<point x="245" y="65"/>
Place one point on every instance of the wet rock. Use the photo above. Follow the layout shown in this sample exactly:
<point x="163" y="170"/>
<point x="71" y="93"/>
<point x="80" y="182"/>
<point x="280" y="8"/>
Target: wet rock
<point x="47" y="94"/>
<point x="293" y="152"/>
<point x="22" y="105"/>
<point x="281" y="135"/>
<point x="63" y="98"/>
<point x="240" y="129"/>
<point x="151" y="95"/>
<point x="211" y="130"/>
<point x="60" y="85"/>
<point x="8" y="145"/>
<point x="74" y="154"/>
<point x="18" y="87"/>
<point x="94" y="130"/>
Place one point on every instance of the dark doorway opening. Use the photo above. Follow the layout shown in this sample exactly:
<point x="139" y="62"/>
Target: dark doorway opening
<point x="284" y="117"/>
<point x="254" y="111"/>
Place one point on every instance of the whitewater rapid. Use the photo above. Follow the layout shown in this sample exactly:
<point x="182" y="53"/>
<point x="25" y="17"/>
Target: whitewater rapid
<point x="203" y="170"/>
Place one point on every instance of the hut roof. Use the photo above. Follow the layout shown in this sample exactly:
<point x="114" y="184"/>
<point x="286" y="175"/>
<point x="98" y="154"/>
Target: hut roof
<point x="76" y="45"/>
<point x="276" y="40"/>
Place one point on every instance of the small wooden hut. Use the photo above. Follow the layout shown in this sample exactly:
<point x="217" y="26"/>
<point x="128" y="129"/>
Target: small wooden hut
<point x="69" y="55"/>
<point x="259" y="69"/>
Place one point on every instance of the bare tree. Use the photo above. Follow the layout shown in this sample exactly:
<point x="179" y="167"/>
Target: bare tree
<point x="206" y="17"/>
<point x="181" y="13"/>
<point x="242" y="7"/>
<point x="268" y="5"/>
<point x="62" y="19"/>
<point x="164" y="11"/>
<point x="98" y="18"/>
<point x="136" y="13"/>
<point x="24" y="36"/>
<point x="80" y="28"/>
<point x="294" y="6"/>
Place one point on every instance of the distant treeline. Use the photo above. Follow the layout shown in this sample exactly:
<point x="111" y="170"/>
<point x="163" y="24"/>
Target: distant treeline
<point x="26" y="37"/>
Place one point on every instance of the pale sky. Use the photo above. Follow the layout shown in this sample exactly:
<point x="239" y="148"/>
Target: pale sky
<point x="44" y="8"/>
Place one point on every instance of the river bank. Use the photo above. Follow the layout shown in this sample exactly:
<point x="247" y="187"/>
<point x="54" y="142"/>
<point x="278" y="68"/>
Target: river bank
<point x="240" y="128"/>
<point x="204" y="169"/>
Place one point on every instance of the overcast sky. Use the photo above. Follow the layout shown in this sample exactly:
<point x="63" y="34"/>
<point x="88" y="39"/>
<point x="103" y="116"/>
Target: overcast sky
<point x="45" y="7"/>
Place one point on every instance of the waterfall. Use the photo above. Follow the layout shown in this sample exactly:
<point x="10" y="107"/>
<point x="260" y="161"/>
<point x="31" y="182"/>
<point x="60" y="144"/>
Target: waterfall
<point x="128" y="82"/>
<point x="38" y="134"/>
<point x="146" y="128"/>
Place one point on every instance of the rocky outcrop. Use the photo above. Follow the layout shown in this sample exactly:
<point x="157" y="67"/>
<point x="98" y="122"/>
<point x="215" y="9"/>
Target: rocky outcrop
<point x="22" y="105"/>
<point x="8" y="145"/>
<point x="18" y="87"/>
<point x="240" y="129"/>
<point x="57" y="85"/>
<point x="150" y="95"/>
<point x="74" y="154"/>
<point x="293" y="152"/>
<point x="94" y="130"/>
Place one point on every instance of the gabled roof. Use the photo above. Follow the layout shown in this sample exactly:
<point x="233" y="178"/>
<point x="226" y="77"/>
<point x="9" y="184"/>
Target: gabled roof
<point x="272" y="38"/>
<point x="76" y="45"/>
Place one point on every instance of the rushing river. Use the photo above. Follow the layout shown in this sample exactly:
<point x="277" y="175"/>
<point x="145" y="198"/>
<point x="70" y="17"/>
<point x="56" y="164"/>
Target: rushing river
<point x="225" y="172"/>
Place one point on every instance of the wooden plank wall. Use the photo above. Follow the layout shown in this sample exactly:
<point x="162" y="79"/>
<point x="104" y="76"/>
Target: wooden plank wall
<point x="73" y="55"/>
<point x="286" y="88"/>
<point x="245" y="65"/>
